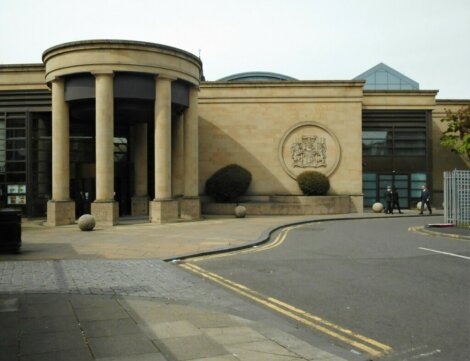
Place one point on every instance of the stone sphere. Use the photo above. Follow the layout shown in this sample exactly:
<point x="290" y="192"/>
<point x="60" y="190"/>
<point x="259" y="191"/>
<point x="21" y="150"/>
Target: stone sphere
<point x="418" y="206"/>
<point x="240" y="212"/>
<point x="377" y="207"/>
<point x="86" y="222"/>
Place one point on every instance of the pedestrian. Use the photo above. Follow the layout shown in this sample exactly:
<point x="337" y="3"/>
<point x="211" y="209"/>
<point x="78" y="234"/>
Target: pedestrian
<point x="395" y="199"/>
<point x="388" y="200"/>
<point x="425" y="199"/>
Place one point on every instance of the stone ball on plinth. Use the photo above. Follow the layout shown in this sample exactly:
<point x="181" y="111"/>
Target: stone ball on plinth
<point x="86" y="222"/>
<point x="418" y="206"/>
<point x="377" y="207"/>
<point x="240" y="212"/>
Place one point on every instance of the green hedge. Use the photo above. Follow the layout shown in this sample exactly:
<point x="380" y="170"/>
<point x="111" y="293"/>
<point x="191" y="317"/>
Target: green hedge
<point x="313" y="183"/>
<point x="228" y="183"/>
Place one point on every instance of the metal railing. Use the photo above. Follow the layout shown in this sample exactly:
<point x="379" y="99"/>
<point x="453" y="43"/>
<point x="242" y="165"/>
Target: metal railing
<point x="457" y="197"/>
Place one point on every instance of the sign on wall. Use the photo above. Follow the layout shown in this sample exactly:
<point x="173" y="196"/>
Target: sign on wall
<point x="16" y="194"/>
<point x="309" y="146"/>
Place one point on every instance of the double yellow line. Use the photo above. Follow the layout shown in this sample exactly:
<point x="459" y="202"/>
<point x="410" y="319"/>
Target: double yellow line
<point x="363" y="343"/>
<point x="370" y="346"/>
<point x="277" y="242"/>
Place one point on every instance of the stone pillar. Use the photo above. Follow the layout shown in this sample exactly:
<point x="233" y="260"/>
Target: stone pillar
<point x="140" y="200"/>
<point x="177" y="164"/>
<point x="104" y="208"/>
<point x="163" y="208"/>
<point x="60" y="209"/>
<point x="190" y="205"/>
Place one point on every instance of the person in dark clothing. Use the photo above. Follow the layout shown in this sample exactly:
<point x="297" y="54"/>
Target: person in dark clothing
<point x="395" y="198"/>
<point x="425" y="199"/>
<point x="388" y="195"/>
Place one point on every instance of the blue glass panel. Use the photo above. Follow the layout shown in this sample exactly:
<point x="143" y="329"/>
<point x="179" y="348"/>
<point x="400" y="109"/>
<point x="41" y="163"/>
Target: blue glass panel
<point x="368" y="177"/>
<point x="369" y="193"/>
<point x="401" y="184"/>
<point x="415" y="193"/>
<point x="418" y="177"/>
<point x="381" y="77"/>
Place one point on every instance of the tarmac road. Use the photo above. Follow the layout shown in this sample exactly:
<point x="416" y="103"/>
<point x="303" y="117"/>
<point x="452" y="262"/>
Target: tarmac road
<point x="371" y="286"/>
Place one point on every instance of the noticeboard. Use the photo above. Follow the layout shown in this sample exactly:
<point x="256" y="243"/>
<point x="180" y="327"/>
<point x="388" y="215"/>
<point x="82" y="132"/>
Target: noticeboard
<point x="16" y="194"/>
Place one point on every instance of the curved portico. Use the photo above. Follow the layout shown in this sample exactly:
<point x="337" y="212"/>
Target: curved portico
<point x="146" y="87"/>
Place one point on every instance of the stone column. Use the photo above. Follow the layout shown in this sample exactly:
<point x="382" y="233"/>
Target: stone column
<point x="177" y="164"/>
<point x="139" y="202"/>
<point x="190" y="205"/>
<point x="104" y="208"/>
<point x="60" y="209"/>
<point x="163" y="208"/>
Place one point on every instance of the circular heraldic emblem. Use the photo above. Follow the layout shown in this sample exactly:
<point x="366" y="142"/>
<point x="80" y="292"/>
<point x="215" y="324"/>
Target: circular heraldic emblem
<point x="309" y="146"/>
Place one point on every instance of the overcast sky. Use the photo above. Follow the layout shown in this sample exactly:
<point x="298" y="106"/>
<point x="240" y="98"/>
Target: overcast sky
<point x="427" y="40"/>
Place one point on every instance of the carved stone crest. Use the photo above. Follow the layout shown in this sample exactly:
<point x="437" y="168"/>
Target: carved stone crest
<point x="309" y="145"/>
<point x="309" y="151"/>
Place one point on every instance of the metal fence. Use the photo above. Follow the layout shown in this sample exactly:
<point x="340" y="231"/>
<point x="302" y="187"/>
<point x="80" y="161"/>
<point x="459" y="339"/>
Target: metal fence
<point x="457" y="197"/>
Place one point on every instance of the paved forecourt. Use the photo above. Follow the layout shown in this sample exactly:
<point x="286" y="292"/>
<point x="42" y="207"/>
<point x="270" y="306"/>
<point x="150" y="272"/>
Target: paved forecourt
<point x="105" y="300"/>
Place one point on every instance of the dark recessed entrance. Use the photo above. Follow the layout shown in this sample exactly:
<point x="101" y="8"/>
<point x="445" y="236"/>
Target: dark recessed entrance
<point x="134" y="103"/>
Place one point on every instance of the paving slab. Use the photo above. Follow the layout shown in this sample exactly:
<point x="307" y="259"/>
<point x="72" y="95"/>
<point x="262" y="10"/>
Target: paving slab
<point x="234" y="335"/>
<point x="140" y="357"/>
<point x="69" y="355"/>
<point x="265" y="350"/>
<point x="106" y="328"/>
<point x="190" y="347"/>
<point x="48" y="324"/>
<point x="174" y="329"/>
<point x="100" y="314"/>
<point x="51" y="342"/>
<point x="121" y="345"/>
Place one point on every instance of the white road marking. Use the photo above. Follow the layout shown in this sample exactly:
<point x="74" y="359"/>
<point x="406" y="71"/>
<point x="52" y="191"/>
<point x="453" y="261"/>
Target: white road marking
<point x="425" y="354"/>
<point x="446" y="253"/>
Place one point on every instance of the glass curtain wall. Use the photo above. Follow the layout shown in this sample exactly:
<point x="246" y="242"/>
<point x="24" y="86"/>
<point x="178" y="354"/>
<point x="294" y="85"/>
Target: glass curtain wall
<point x="396" y="152"/>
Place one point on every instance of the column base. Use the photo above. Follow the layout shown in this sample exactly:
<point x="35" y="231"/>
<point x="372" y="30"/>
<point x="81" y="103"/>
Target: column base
<point x="163" y="211"/>
<point x="105" y="213"/>
<point x="60" y="213"/>
<point x="140" y="206"/>
<point x="190" y="208"/>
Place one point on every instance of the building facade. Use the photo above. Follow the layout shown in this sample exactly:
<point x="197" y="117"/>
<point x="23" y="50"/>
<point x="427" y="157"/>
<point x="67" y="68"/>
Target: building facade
<point x="130" y="128"/>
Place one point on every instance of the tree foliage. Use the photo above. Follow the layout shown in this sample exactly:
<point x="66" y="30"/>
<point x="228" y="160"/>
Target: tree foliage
<point x="457" y="135"/>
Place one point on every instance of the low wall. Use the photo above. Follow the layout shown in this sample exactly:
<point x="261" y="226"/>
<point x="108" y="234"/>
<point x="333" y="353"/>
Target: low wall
<point x="284" y="205"/>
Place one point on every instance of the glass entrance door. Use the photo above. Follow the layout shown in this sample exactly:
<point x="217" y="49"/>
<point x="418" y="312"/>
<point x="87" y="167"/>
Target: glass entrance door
<point x="402" y="184"/>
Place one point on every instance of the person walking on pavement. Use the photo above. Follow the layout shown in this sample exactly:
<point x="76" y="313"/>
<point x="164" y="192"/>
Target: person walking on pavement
<point x="425" y="199"/>
<point x="388" y="200"/>
<point x="395" y="200"/>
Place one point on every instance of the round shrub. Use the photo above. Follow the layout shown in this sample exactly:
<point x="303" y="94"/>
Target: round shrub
<point x="228" y="183"/>
<point x="313" y="183"/>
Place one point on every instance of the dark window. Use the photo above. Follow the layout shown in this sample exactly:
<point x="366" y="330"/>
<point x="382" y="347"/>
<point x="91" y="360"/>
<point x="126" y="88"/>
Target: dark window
<point x="369" y="186"/>
<point x="40" y="165"/>
<point x="393" y="141"/>
<point x="376" y="142"/>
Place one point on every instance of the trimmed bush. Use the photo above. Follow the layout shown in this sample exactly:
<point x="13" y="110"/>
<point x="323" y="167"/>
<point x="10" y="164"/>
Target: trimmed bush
<point x="313" y="183"/>
<point x="228" y="183"/>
